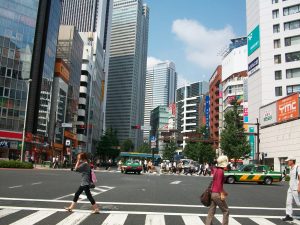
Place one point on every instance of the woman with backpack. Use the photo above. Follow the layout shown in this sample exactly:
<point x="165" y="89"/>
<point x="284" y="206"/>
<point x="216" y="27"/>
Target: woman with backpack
<point x="82" y="166"/>
<point x="218" y="194"/>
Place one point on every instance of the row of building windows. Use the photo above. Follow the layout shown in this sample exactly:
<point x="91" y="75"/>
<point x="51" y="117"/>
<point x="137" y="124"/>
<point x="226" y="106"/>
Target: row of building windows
<point x="286" y="11"/>
<point x="292" y="25"/>
<point x="289" y="41"/>
<point x="289" y="57"/>
<point x="290" y="73"/>
<point x="289" y="90"/>
<point x="276" y="1"/>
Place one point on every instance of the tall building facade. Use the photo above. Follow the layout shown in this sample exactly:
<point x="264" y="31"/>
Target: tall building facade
<point x="273" y="29"/>
<point x="161" y="83"/>
<point x="29" y="41"/>
<point x="127" y="69"/>
<point x="215" y="93"/>
<point x="81" y="13"/>
<point x="188" y="100"/>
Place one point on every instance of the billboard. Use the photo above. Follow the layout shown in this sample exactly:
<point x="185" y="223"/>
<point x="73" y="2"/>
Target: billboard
<point x="207" y="102"/>
<point x="288" y="108"/>
<point x="253" y="40"/>
<point x="268" y="114"/>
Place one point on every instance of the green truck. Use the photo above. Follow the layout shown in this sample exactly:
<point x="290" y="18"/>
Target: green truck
<point x="260" y="174"/>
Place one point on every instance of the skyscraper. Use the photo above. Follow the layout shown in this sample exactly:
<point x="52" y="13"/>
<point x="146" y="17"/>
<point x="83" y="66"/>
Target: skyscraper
<point x="80" y="13"/>
<point x="127" y="69"/>
<point x="161" y="84"/>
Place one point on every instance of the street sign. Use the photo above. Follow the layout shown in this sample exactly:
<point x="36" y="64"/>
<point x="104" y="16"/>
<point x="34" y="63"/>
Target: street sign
<point x="67" y="125"/>
<point x="68" y="142"/>
<point x="152" y="139"/>
<point x="68" y="151"/>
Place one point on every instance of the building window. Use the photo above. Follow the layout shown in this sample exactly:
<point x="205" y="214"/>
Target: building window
<point x="293" y="73"/>
<point x="292" y="25"/>
<point x="275" y="13"/>
<point x="292" y="56"/>
<point x="291" y="10"/>
<point x="278" y="75"/>
<point x="277" y="43"/>
<point x="276" y="28"/>
<point x="274" y="1"/>
<point x="278" y="91"/>
<point x="292" y="89"/>
<point x="289" y="41"/>
<point x="277" y="59"/>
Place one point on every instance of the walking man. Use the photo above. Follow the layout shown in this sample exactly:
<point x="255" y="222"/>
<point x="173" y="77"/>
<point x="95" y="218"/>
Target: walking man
<point x="294" y="189"/>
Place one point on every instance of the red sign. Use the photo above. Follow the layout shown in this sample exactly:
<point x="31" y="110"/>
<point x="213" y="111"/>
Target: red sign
<point x="11" y="135"/>
<point x="288" y="108"/>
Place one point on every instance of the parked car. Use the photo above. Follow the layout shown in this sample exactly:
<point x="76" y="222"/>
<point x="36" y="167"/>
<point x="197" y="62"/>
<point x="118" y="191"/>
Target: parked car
<point x="132" y="166"/>
<point x="253" y="173"/>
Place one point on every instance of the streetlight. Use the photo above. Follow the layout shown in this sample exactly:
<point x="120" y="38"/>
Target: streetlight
<point x="25" y="117"/>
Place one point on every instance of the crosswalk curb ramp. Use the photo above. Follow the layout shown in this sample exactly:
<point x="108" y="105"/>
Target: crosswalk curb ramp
<point x="9" y="215"/>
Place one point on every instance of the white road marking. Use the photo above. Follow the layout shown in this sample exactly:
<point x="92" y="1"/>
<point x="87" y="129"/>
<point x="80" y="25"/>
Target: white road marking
<point x="176" y="182"/>
<point x="15" y="186"/>
<point x="115" y="219"/>
<point x="262" y="221"/>
<point x="33" y="218"/>
<point x="192" y="220"/>
<point x="295" y="221"/>
<point x="141" y="204"/>
<point x="231" y="220"/>
<point x="82" y="197"/>
<point x="155" y="220"/>
<point x="36" y="183"/>
<point x="74" y="219"/>
<point x="6" y="212"/>
<point x="64" y="196"/>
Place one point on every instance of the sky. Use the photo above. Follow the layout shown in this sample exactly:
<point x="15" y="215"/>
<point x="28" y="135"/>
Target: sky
<point x="193" y="33"/>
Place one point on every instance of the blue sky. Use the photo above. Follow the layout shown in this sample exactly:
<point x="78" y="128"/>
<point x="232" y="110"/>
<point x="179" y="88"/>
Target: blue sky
<point x="191" y="33"/>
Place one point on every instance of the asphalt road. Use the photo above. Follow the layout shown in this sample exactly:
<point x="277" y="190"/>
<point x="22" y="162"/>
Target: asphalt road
<point x="40" y="195"/>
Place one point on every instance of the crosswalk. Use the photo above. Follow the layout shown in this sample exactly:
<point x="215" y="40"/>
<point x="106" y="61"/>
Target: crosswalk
<point x="96" y="191"/>
<point x="51" y="216"/>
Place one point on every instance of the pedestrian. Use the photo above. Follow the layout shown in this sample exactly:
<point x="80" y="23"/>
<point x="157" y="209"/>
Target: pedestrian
<point x="82" y="166"/>
<point x="293" y="190"/>
<point x="218" y="194"/>
<point x="120" y="164"/>
<point x="149" y="166"/>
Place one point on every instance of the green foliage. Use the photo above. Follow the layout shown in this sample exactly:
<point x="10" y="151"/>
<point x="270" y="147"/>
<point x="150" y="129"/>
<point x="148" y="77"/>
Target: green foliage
<point x="170" y="150"/>
<point x="127" y="146"/>
<point x="108" y="145"/>
<point x="234" y="141"/>
<point x="199" y="151"/>
<point x="145" y="148"/>
<point x="15" y="164"/>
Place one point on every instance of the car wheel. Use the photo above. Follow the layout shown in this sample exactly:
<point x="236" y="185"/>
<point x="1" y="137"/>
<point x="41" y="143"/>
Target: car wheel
<point x="139" y="172"/>
<point x="268" y="180"/>
<point x="230" y="180"/>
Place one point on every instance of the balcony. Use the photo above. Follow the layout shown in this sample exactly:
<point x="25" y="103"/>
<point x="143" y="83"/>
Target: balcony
<point x="81" y="112"/>
<point x="84" y="78"/>
<point x="83" y="90"/>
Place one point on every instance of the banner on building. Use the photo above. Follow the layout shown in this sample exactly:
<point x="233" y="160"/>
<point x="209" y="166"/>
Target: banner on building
<point x="253" y="40"/>
<point x="207" y="102"/>
<point x="268" y="114"/>
<point x="252" y="142"/>
<point x="288" y="108"/>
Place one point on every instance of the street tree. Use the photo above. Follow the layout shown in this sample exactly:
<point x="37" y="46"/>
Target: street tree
<point x="170" y="150"/>
<point x="199" y="151"/>
<point x="234" y="142"/>
<point x="108" y="146"/>
<point x="145" y="148"/>
<point x="127" y="145"/>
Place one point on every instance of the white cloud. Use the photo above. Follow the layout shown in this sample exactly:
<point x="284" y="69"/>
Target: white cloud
<point x="152" y="61"/>
<point x="181" y="81"/>
<point x="202" y="44"/>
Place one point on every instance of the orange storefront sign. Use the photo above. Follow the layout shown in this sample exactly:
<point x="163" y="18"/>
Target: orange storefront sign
<point x="61" y="70"/>
<point x="58" y="146"/>
<point x="288" y="108"/>
<point x="70" y="135"/>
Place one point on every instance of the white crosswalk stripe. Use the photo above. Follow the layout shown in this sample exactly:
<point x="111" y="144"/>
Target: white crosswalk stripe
<point x="74" y="219"/>
<point x="115" y="219"/>
<point x="262" y="221"/>
<point x="6" y="212"/>
<point x="192" y="220"/>
<point x="155" y="220"/>
<point x="78" y="217"/>
<point x="33" y="218"/>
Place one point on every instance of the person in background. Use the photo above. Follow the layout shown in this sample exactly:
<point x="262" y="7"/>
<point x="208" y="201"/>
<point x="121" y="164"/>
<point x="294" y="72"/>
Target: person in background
<point x="293" y="190"/>
<point x="218" y="194"/>
<point x="82" y="166"/>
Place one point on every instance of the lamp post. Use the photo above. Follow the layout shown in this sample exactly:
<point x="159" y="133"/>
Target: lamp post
<point x="25" y="117"/>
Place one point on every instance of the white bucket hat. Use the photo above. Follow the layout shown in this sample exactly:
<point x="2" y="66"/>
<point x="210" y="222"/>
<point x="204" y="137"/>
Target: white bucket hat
<point x="222" y="161"/>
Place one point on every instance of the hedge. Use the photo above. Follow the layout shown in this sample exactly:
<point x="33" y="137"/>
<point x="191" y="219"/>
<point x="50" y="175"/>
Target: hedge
<point x="15" y="164"/>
